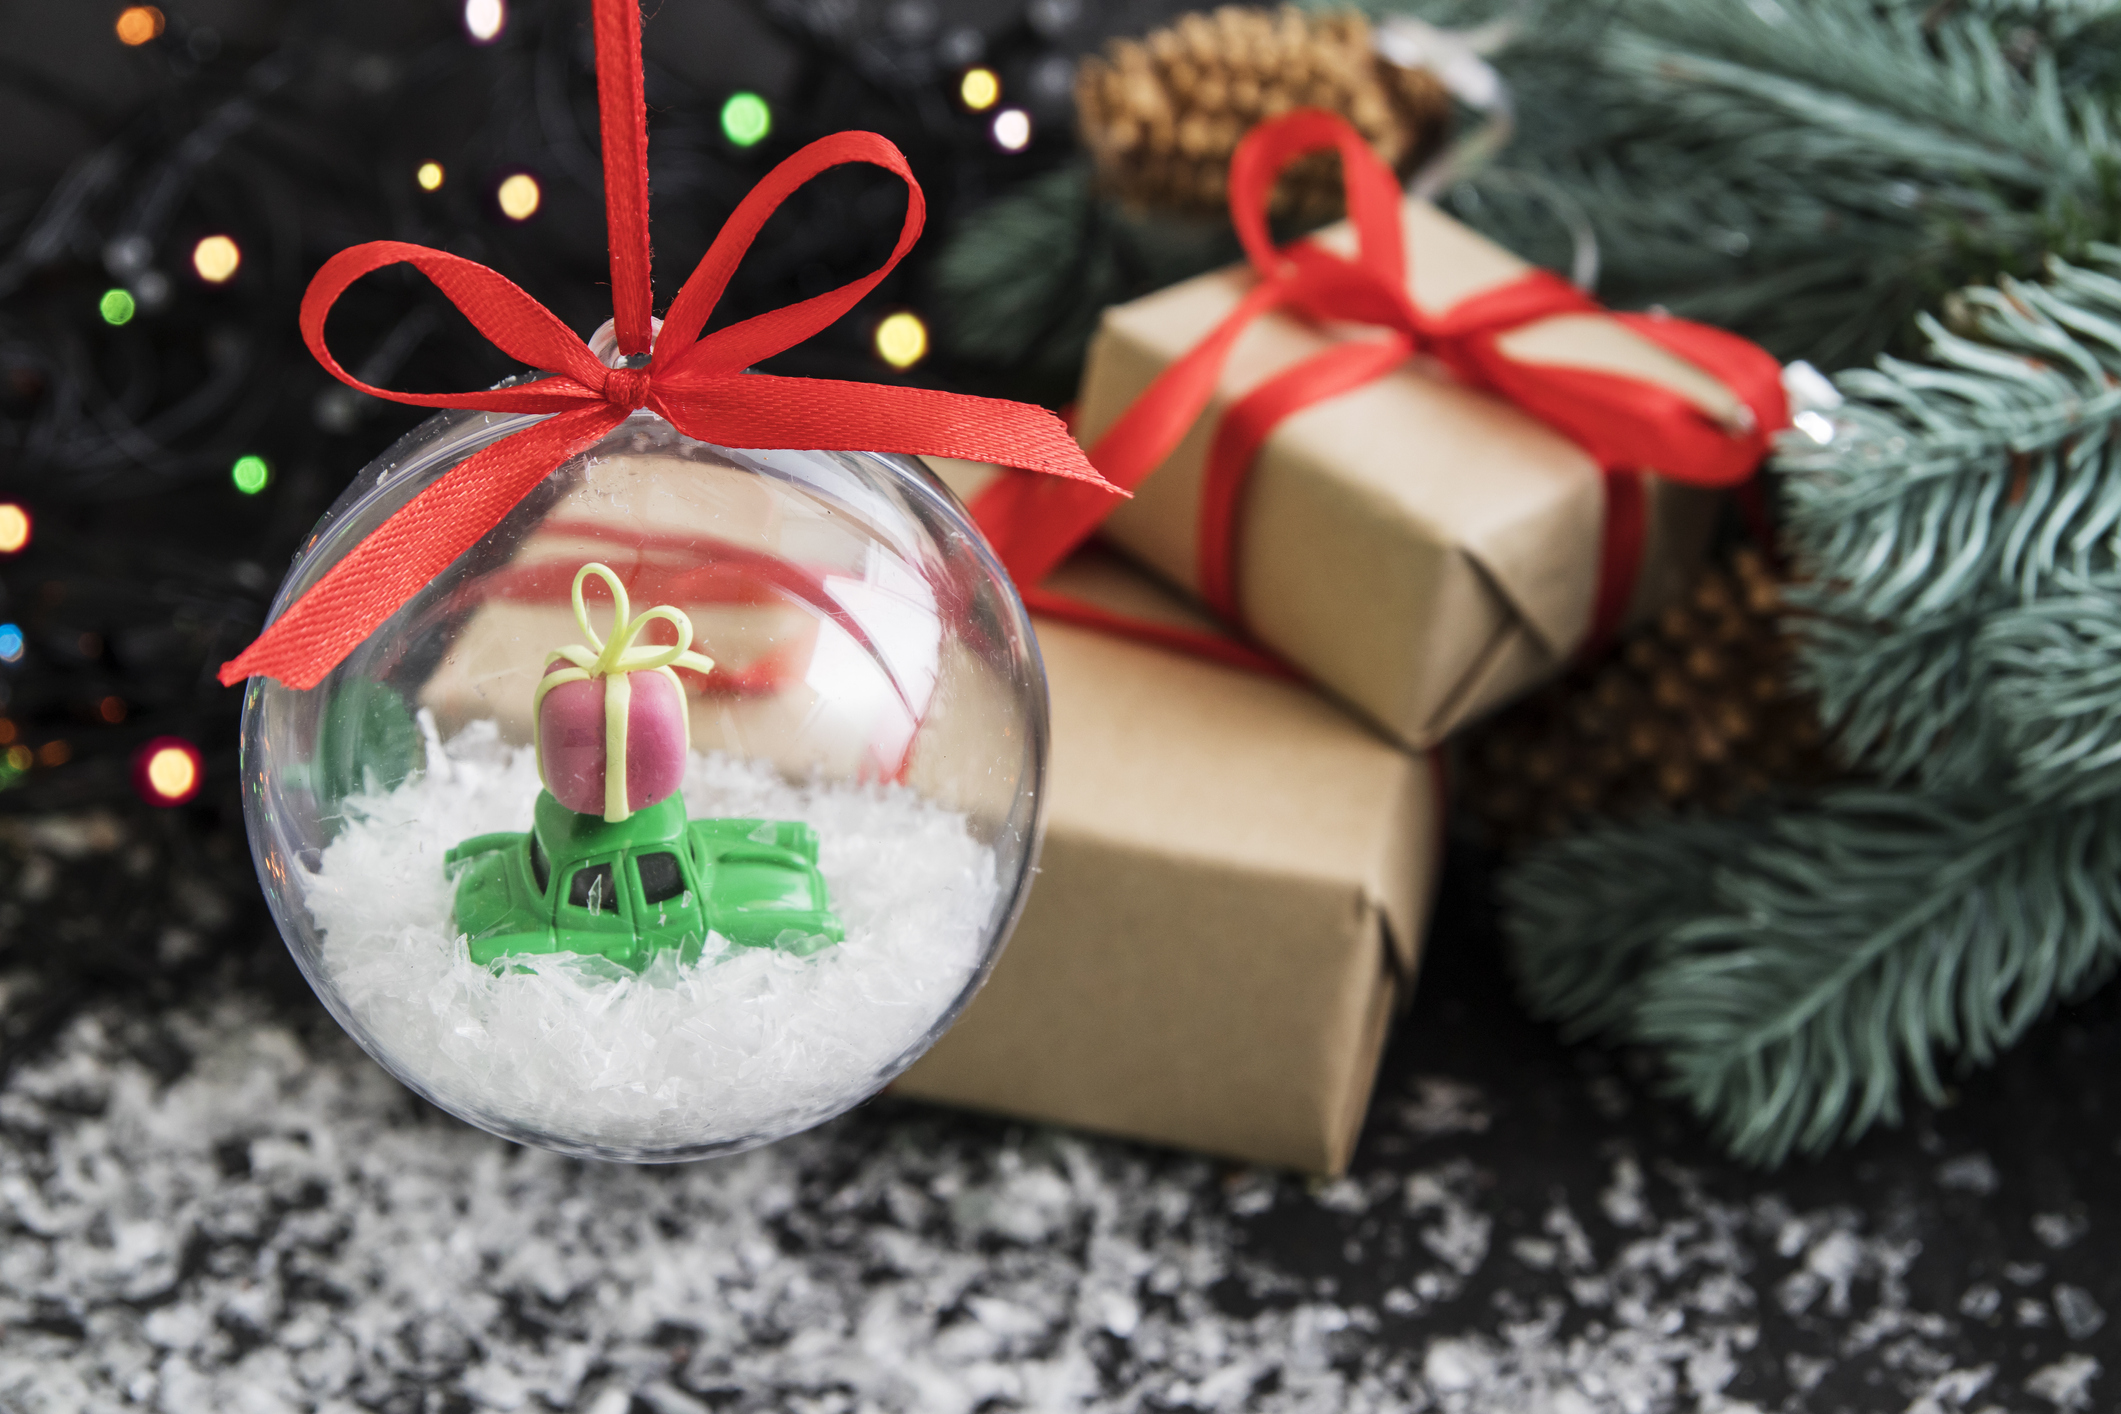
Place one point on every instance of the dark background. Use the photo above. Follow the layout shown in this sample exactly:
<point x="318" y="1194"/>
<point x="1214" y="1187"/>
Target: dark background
<point x="296" y="128"/>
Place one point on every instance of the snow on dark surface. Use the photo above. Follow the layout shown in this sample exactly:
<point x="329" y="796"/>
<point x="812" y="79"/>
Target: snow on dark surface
<point x="209" y="1200"/>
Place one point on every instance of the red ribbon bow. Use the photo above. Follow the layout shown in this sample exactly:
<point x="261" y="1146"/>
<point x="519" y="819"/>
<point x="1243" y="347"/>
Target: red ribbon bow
<point x="697" y="384"/>
<point x="1623" y="423"/>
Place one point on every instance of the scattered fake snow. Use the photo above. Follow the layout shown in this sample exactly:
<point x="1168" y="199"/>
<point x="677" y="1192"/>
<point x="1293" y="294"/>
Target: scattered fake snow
<point x="2066" y="1384"/>
<point x="746" y="1046"/>
<point x="276" y="1229"/>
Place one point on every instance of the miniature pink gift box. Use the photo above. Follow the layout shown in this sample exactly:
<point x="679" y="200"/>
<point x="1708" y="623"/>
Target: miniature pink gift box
<point x="615" y="701"/>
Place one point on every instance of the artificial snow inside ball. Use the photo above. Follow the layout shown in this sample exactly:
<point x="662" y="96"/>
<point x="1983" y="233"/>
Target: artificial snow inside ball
<point x="680" y="813"/>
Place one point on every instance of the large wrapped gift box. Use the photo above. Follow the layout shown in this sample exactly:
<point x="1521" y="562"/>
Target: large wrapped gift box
<point x="1230" y="902"/>
<point x="1424" y="550"/>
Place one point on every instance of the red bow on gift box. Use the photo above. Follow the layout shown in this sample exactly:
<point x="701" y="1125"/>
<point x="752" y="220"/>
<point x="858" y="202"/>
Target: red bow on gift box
<point x="698" y="384"/>
<point x="1625" y="424"/>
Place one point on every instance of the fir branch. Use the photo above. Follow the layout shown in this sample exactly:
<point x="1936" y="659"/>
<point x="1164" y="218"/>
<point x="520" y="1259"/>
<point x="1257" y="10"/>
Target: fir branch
<point x="1950" y="493"/>
<point x="1810" y="172"/>
<point x="2054" y="674"/>
<point x="1872" y="935"/>
<point x="1585" y="935"/>
<point x="1905" y="702"/>
<point x="2056" y="19"/>
<point x="1957" y="524"/>
<point x="1020" y="283"/>
<point x="1019" y="267"/>
<point x="1832" y="87"/>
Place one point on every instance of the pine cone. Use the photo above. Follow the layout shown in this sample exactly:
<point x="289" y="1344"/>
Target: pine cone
<point x="1696" y="709"/>
<point x="1163" y="114"/>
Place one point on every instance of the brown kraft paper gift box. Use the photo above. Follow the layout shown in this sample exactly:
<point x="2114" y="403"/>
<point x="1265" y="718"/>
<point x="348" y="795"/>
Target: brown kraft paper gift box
<point x="1230" y="901"/>
<point x="1422" y="549"/>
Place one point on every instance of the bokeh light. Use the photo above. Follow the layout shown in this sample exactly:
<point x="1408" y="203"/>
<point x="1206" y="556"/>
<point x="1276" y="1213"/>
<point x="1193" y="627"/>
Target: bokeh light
<point x="137" y="24"/>
<point x="1012" y="130"/>
<point x="484" y="19"/>
<point x="250" y="474"/>
<point x="519" y="197"/>
<point x="14" y="528"/>
<point x="429" y="176"/>
<point x="746" y="119"/>
<point x="980" y="89"/>
<point x="216" y="259"/>
<point x="54" y="753"/>
<point x="167" y="771"/>
<point x="116" y="306"/>
<point x="111" y="709"/>
<point x="901" y="339"/>
<point x="20" y="757"/>
<point x="11" y="643"/>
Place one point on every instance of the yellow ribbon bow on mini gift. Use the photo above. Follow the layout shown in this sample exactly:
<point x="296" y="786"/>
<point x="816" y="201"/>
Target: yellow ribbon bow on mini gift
<point x="613" y="660"/>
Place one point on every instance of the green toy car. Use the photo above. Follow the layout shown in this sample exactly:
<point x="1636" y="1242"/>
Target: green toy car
<point x="625" y="891"/>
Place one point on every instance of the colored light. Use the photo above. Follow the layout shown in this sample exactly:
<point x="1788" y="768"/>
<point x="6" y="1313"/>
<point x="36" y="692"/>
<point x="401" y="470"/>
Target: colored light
<point x="250" y="474"/>
<point x="1012" y="130"/>
<point x="167" y="771"/>
<point x="116" y="306"/>
<point x="55" y="753"/>
<point x="137" y="24"/>
<point x="20" y="757"/>
<point x="980" y="89"/>
<point x="11" y="643"/>
<point x="111" y="709"/>
<point x="216" y="259"/>
<point x="14" y="528"/>
<point x="746" y="119"/>
<point x="483" y="19"/>
<point x="7" y="731"/>
<point x="519" y="197"/>
<point x="901" y="339"/>
<point x="429" y="176"/>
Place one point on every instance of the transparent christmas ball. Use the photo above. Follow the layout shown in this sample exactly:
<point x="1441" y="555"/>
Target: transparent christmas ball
<point x="856" y="822"/>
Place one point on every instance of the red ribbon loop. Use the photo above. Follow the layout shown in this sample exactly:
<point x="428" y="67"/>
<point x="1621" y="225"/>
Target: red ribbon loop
<point x="1373" y="206"/>
<point x="697" y="384"/>
<point x="1623" y="423"/>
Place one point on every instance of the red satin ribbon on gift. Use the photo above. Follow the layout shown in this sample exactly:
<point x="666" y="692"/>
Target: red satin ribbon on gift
<point x="697" y="384"/>
<point x="1623" y="423"/>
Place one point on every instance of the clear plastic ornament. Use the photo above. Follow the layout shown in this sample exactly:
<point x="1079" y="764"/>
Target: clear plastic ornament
<point x="875" y="678"/>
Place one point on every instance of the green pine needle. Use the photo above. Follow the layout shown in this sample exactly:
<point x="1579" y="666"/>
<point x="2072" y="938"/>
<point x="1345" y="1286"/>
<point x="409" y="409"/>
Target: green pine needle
<point x="1586" y="927"/>
<point x="1826" y="953"/>
<point x="1020" y="284"/>
<point x="1809" y="172"/>
<point x="2054" y="673"/>
<point x="1951" y="492"/>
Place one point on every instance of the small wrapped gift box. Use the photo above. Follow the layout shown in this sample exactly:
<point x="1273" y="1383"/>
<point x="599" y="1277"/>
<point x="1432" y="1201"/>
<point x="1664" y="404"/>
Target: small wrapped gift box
<point x="1405" y="462"/>
<point x="1425" y="550"/>
<point x="579" y="738"/>
<point x="612" y="727"/>
<point x="1229" y="905"/>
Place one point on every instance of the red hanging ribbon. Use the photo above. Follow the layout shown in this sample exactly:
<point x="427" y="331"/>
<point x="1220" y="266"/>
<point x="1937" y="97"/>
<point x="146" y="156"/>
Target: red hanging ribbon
<point x="697" y="384"/>
<point x="1623" y="423"/>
